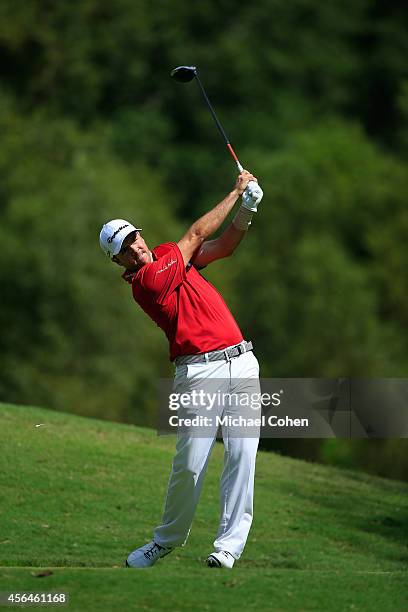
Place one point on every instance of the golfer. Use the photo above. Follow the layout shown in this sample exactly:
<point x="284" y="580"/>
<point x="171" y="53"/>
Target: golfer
<point x="206" y="344"/>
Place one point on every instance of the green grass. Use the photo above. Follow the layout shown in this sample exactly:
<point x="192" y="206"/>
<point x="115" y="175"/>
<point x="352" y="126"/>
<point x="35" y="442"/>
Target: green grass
<point x="77" y="495"/>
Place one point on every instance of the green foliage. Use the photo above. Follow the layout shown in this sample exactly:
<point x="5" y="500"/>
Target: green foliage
<point x="141" y="134"/>
<point x="69" y="326"/>
<point x="276" y="55"/>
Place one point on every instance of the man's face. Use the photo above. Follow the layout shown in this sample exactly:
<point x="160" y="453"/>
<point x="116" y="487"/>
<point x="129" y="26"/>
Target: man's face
<point x="134" y="253"/>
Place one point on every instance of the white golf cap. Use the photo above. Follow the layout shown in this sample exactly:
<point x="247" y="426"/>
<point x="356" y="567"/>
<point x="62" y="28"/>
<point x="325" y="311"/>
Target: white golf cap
<point x="113" y="234"/>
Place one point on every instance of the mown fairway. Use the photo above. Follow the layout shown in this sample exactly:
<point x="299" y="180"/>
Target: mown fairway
<point x="77" y="495"/>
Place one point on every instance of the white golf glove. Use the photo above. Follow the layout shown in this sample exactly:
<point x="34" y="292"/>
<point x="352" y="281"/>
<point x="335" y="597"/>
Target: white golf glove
<point x="252" y="195"/>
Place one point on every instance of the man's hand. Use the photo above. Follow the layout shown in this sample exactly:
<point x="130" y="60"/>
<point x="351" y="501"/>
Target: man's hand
<point x="243" y="180"/>
<point x="252" y="195"/>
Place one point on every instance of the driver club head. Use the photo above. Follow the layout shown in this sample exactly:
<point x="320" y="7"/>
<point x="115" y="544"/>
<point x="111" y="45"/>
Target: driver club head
<point x="184" y="74"/>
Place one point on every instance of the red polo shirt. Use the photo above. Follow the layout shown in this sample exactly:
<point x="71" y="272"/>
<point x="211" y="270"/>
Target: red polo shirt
<point x="183" y="304"/>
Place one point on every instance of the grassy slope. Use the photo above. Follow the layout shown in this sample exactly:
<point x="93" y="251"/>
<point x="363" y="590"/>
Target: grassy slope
<point x="78" y="494"/>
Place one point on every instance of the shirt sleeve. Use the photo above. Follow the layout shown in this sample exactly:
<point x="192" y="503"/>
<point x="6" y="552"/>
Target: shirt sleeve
<point x="161" y="277"/>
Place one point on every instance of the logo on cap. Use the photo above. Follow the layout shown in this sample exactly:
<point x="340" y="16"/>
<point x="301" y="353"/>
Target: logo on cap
<point x="111" y="238"/>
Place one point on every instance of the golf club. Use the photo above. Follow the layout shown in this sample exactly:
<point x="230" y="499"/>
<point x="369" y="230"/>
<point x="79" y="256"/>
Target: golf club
<point x="184" y="74"/>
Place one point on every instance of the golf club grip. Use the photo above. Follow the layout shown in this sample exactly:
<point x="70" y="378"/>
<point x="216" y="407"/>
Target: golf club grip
<point x="231" y="150"/>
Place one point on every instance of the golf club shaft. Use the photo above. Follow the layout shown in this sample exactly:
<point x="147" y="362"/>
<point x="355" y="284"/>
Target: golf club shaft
<point x="218" y="124"/>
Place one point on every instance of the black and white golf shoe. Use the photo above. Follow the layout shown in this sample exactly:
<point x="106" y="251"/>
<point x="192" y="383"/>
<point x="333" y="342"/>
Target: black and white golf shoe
<point x="147" y="555"/>
<point x="221" y="559"/>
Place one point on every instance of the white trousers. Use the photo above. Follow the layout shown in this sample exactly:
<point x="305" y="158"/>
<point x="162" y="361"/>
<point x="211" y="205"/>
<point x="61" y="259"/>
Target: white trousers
<point x="238" y="376"/>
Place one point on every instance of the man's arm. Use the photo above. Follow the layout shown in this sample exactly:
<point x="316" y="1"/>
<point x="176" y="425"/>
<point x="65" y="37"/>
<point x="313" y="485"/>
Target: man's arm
<point x="202" y="229"/>
<point x="220" y="247"/>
